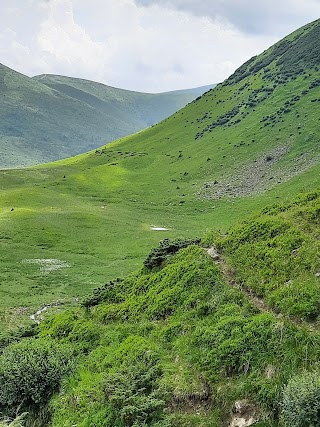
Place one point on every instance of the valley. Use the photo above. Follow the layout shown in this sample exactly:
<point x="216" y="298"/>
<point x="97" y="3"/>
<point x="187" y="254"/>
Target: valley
<point x="147" y="334"/>
<point x="48" y="117"/>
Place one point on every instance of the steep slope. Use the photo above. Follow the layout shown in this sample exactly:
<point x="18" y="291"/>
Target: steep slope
<point x="44" y="122"/>
<point x="220" y="357"/>
<point x="66" y="227"/>
<point x="176" y="344"/>
<point x="143" y="109"/>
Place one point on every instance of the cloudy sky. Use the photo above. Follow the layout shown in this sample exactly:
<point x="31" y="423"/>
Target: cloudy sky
<point x="144" y="45"/>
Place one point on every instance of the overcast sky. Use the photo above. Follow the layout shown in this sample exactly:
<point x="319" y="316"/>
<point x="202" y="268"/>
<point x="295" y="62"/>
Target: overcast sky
<point x="144" y="45"/>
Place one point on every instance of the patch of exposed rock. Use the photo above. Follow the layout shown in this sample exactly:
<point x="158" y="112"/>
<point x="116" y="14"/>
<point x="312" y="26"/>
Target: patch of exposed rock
<point x="213" y="253"/>
<point x="258" y="176"/>
<point x="245" y="414"/>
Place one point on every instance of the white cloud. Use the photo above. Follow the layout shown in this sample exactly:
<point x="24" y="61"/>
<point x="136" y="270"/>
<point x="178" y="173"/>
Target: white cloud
<point x="250" y="16"/>
<point x="145" y="47"/>
<point x="66" y="44"/>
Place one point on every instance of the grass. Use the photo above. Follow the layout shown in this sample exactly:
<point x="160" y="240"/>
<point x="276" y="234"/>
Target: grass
<point x="52" y="117"/>
<point x="94" y="212"/>
<point x="275" y="255"/>
<point x="174" y="346"/>
<point x="175" y="341"/>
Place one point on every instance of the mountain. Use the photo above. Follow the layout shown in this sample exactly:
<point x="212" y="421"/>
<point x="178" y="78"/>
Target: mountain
<point x="142" y="109"/>
<point x="249" y="142"/>
<point x="218" y="327"/>
<point x="52" y="117"/>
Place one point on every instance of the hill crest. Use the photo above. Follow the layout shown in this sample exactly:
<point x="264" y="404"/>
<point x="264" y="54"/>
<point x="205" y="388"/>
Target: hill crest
<point x="53" y="117"/>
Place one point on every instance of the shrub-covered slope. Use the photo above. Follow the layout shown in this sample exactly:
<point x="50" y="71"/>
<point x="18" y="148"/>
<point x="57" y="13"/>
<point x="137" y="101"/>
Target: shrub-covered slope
<point x="179" y="344"/>
<point x="66" y="227"/>
<point x="52" y="117"/>
<point x="277" y="256"/>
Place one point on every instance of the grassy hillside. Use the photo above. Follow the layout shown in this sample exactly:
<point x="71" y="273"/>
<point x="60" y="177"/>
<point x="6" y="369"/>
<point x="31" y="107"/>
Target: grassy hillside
<point x="52" y="117"/>
<point x="185" y="341"/>
<point x="69" y="226"/>
<point x="142" y="109"/>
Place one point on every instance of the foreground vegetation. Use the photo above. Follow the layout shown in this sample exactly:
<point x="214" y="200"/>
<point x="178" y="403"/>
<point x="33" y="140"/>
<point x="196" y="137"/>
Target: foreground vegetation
<point x="67" y="227"/>
<point x="178" y="343"/>
<point x="187" y="339"/>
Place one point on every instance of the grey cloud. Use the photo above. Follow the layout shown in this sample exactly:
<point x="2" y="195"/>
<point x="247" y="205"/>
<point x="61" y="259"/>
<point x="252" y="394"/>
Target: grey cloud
<point x="250" y="16"/>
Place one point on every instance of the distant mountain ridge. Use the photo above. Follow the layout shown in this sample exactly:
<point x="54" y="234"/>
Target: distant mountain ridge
<point x="210" y="332"/>
<point x="48" y="117"/>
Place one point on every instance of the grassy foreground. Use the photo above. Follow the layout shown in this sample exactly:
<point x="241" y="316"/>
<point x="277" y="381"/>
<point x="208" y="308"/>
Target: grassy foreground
<point x="179" y="344"/>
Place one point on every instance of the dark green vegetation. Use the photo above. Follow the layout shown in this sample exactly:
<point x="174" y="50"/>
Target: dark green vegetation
<point x="51" y="117"/>
<point x="178" y="341"/>
<point x="69" y="226"/>
<point x="277" y="256"/>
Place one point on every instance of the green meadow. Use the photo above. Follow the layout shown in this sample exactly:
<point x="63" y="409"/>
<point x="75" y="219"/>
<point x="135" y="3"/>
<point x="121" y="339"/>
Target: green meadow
<point x="137" y="333"/>
<point x="250" y="142"/>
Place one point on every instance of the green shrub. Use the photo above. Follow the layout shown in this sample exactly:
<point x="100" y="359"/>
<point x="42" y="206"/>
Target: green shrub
<point x="233" y="342"/>
<point x="184" y="283"/>
<point x="17" y="422"/>
<point x="72" y="326"/>
<point x="277" y="258"/>
<point x="254" y="231"/>
<point x="31" y="371"/>
<point x="59" y="325"/>
<point x="108" y="292"/>
<point x="134" y="393"/>
<point x="118" y="385"/>
<point x="301" y="401"/>
<point x="298" y="298"/>
<point x="165" y="250"/>
<point x="132" y="387"/>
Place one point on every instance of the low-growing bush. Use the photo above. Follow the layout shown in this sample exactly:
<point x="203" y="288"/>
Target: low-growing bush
<point x="184" y="283"/>
<point x="72" y="326"/>
<point x="234" y="342"/>
<point x="31" y="371"/>
<point x="118" y="385"/>
<point x="17" y="422"/>
<point x="165" y="250"/>
<point x="301" y="401"/>
<point x="298" y="298"/>
<point x="109" y="292"/>
<point x="275" y="255"/>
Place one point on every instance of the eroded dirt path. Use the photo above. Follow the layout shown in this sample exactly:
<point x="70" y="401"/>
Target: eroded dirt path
<point x="230" y="277"/>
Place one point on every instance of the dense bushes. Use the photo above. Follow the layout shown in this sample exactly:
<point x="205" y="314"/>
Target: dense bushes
<point x="134" y="393"/>
<point x="165" y="250"/>
<point x="72" y="326"/>
<point x="31" y="371"/>
<point x="108" y="292"/>
<point x="235" y="342"/>
<point x="124" y="389"/>
<point x="301" y="401"/>
<point x="275" y="256"/>
<point x="183" y="284"/>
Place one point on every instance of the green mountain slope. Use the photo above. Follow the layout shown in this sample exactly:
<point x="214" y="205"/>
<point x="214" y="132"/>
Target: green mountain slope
<point x="142" y="109"/>
<point x="52" y="117"/>
<point x="68" y="226"/>
<point x="185" y="341"/>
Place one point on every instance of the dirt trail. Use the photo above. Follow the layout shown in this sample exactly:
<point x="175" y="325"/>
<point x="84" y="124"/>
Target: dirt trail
<point x="230" y="277"/>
